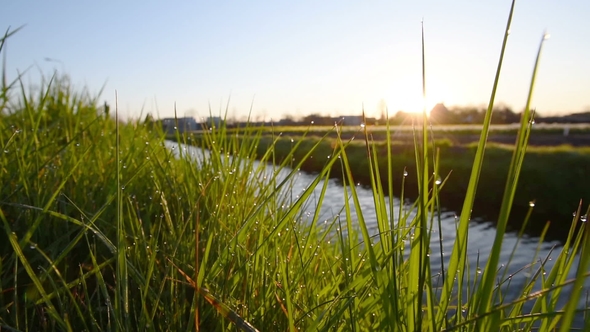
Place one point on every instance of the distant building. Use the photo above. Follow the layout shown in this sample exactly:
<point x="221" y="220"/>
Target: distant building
<point x="352" y="120"/>
<point x="214" y="121"/>
<point x="170" y="125"/>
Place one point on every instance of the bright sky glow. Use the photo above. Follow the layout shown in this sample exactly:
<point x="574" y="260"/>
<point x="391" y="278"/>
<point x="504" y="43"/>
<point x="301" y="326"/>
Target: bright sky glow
<point x="302" y="57"/>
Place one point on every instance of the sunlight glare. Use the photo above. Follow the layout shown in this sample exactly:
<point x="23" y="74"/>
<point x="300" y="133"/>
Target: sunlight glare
<point x="410" y="104"/>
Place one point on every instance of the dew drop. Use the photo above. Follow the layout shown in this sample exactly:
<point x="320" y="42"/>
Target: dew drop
<point x="532" y="204"/>
<point x="405" y="173"/>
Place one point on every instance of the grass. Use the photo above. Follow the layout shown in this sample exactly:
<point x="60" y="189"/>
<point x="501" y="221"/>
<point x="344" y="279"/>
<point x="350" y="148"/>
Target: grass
<point x="406" y="127"/>
<point x="542" y="134"/>
<point x="107" y="226"/>
<point x="560" y="167"/>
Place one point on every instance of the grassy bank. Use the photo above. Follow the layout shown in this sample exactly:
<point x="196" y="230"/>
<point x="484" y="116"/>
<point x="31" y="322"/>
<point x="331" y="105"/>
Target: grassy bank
<point x="542" y="135"/>
<point x="106" y="226"/>
<point x="545" y="172"/>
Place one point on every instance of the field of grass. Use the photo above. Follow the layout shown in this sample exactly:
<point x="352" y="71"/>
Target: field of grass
<point x="546" y="128"/>
<point x="105" y="226"/>
<point x="542" y="135"/>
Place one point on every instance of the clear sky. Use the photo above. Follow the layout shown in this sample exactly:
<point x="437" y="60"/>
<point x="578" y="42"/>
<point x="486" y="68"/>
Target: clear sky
<point x="302" y="57"/>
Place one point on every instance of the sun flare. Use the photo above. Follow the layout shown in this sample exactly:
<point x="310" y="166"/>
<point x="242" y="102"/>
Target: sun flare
<point x="415" y="105"/>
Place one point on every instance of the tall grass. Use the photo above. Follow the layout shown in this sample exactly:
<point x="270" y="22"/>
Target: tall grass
<point x="108" y="226"/>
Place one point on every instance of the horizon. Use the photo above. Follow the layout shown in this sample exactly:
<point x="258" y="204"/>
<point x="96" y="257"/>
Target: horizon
<point x="305" y="58"/>
<point x="380" y="117"/>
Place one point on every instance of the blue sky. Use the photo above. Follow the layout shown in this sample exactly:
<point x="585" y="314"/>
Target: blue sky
<point x="302" y="57"/>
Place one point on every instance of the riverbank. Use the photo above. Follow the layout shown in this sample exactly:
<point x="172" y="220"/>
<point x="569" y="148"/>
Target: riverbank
<point x="542" y="135"/>
<point x="552" y="177"/>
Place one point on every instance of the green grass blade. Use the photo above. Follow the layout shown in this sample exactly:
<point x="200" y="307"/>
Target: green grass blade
<point x="458" y="256"/>
<point x="488" y="282"/>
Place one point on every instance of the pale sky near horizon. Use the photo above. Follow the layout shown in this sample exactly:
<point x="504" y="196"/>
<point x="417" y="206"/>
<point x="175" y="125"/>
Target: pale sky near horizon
<point x="302" y="57"/>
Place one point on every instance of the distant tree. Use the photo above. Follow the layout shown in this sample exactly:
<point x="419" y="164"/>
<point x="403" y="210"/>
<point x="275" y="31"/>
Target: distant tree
<point x="317" y="120"/>
<point x="288" y="120"/>
<point x="502" y="114"/>
<point x="401" y="117"/>
<point x="468" y="114"/>
<point x="441" y="115"/>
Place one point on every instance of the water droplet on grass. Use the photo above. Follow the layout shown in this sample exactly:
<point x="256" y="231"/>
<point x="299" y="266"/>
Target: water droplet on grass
<point x="532" y="204"/>
<point x="584" y="218"/>
<point x="405" y="173"/>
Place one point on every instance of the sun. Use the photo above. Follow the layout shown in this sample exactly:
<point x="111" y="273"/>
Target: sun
<point x="409" y="104"/>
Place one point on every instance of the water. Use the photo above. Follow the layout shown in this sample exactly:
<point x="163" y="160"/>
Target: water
<point x="480" y="240"/>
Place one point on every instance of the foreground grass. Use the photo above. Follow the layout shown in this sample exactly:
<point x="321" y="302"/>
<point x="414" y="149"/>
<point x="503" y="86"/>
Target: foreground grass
<point x="105" y="226"/>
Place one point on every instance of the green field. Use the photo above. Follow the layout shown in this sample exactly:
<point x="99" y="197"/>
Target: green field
<point x="542" y="134"/>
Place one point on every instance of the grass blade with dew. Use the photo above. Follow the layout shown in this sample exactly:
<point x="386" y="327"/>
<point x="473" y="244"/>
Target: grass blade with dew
<point x="457" y="261"/>
<point x="121" y="292"/>
<point x="483" y="302"/>
<point x="388" y="232"/>
<point x="31" y="272"/>
<point x="581" y="275"/>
